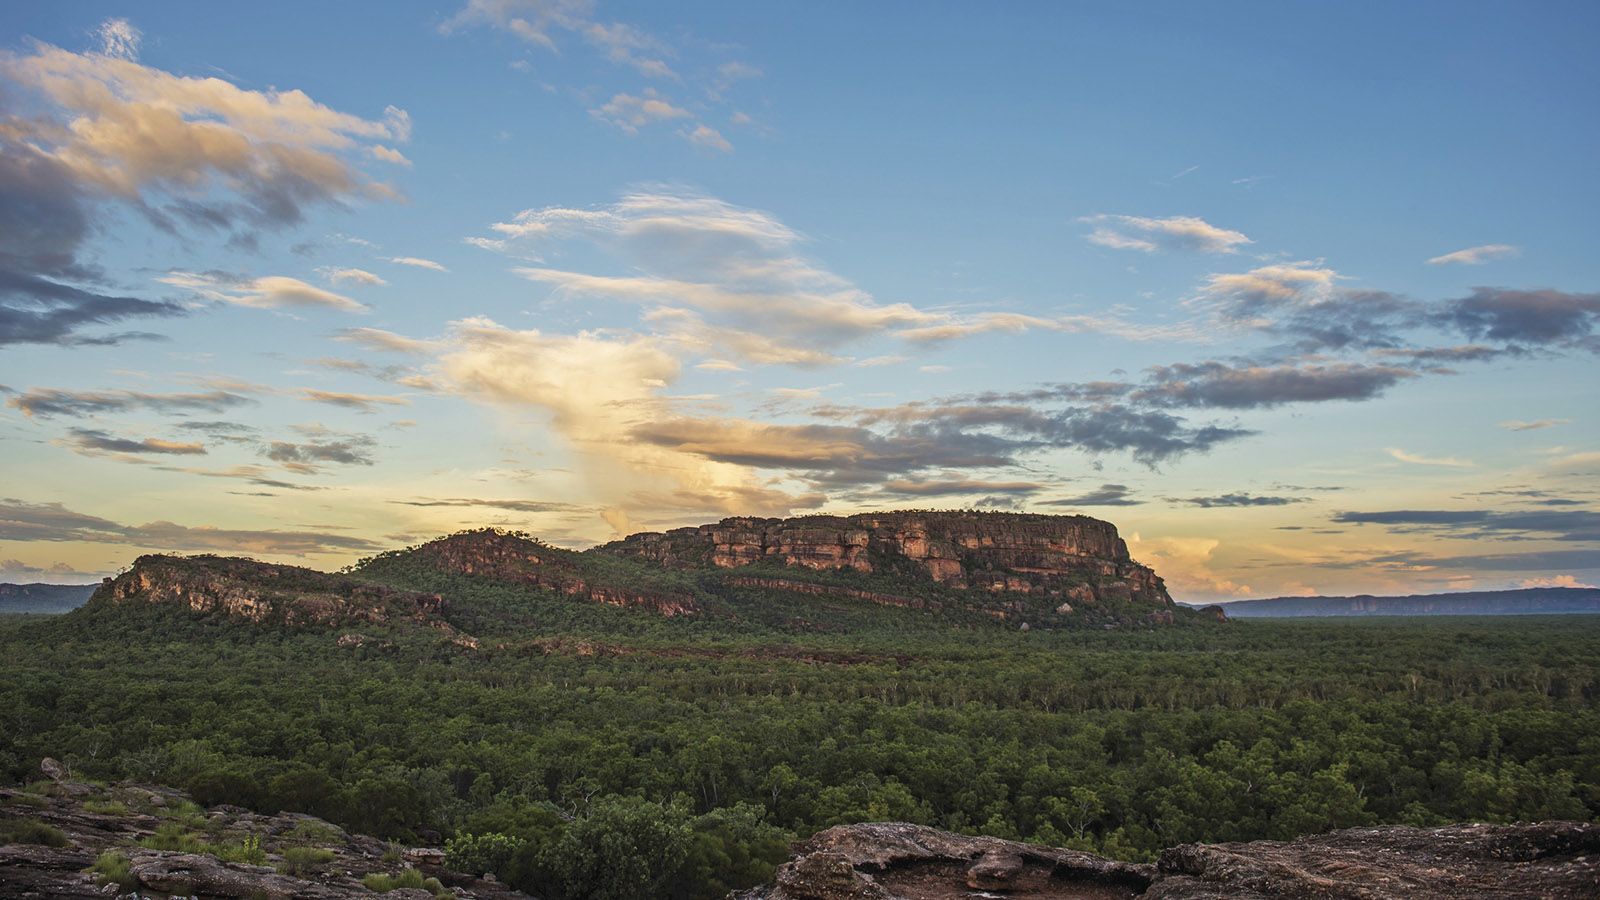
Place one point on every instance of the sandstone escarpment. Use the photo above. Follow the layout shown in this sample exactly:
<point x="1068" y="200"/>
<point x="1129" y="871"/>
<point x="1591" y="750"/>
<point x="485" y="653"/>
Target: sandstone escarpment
<point x="1076" y="558"/>
<point x="501" y="556"/>
<point x="896" y="861"/>
<point x="263" y="592"/>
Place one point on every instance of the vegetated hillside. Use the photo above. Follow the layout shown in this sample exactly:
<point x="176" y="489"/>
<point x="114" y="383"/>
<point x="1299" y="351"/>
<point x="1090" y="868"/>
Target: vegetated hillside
<point x="43" y="598"/>
<point x="812" y="573"/>
<point x="1526" y="601"/>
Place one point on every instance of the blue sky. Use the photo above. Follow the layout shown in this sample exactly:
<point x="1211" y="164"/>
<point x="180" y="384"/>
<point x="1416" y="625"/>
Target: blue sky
<point x="1303" y="298"/>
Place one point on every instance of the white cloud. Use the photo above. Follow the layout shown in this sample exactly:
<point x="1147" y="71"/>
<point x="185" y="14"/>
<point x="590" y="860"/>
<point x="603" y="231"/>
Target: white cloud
<point x="131" y="128"/>
<point x="417" y="262"/>
<point x="269" y="292"/>
<point x="385" y="341"/>
<point x="630" y="113"/>
<point x="389" y="155"/>
<point x="537" y="22"/>
<point x="1556" y="581"/>
<point x="119" y="39"/>
<point x="1420" y="460"/>
<point x="1174" y="233"/>
<point x="706" y="136"/>
<point x="351" y="276"/>
<point x="1475" y="256"/>
<point x="1535" y="425"/>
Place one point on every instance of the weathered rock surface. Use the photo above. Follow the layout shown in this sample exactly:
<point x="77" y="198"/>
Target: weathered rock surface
<point x="1074" y="557"/>
<point x="137" y="811"/>
<point x="264" y="592"/>
<point x="501" y="556"/>
<point x="894" y="861"/>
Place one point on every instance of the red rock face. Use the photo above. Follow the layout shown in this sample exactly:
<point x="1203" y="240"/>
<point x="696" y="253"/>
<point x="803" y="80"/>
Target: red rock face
<point x="1002" y="552"/>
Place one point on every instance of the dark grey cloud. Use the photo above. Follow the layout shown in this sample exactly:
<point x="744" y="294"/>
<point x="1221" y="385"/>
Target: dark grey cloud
<point x="49" y="402"/>
<point x="1538" y="317"/>
<point x="23" y="521"/>
<point x="47" y="295"/>
<point x="350" y="450"/>
<point x="95" y="440"/>
<point x="1239" y="499"/>
<point x="915" y="487"/>
<point x="1106" y="495"/>
<point x="1556" y="524"/>
<point x="1545" y="561"/>
<point x="1228" y="386"/>
<point x="524" y="506"/>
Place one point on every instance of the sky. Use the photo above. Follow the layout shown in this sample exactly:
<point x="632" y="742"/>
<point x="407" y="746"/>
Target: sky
<point x="1304" y="297"/>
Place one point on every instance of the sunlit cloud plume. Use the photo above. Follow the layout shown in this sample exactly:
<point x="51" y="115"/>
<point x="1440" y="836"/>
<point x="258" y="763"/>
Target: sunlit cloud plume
<point x="1475" y="256"/>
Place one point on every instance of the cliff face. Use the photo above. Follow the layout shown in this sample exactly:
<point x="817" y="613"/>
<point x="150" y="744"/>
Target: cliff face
<point x="507" y="557"/>
<point x="1074" y="557"/>
<point x="262" y="592"/>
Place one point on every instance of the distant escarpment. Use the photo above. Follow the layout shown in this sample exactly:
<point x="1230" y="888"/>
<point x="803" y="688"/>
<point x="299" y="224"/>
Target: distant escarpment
<point x="1522" y="602"/>
<point x="516" y="559"/>
<point x="259" y="592"/>
<point x="1075" y="558"/>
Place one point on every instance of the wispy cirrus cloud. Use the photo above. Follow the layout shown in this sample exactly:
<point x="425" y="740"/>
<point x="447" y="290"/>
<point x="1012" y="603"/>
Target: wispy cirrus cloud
<point x="1417" y="459"/>
<point x="1172" y="233"/>
<point x="1475" y="256"/>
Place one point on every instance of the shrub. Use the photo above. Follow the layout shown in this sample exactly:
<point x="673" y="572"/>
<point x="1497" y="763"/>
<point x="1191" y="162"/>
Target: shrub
<point x="299" y="860"/>
<point x="30" y="831"/>
<point x="106" y="807"/>
<point x="246" y="851"/>
<point x="312" y="832"/>
<point x="480" y="853"/>
<point x="174" y="836"/>
<point x="111" y="867"/>
<point x="408" y="878"/>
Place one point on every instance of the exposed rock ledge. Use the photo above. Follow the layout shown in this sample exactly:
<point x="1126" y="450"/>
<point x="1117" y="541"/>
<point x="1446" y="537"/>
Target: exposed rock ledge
<point x="896" y="861"/>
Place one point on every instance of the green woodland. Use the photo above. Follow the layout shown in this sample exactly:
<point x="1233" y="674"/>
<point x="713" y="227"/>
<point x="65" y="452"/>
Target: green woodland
<point x="595" y="752"/>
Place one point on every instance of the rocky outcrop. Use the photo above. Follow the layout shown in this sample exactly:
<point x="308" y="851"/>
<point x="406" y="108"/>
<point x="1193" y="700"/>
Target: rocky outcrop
<point x="262" y="592"/>
<point x="896" y="861"/>
<point x="1076" y="558"/>
<point x="85" y="823"/>
<point x="893" y="861"/>
<point x="502" y="556"/>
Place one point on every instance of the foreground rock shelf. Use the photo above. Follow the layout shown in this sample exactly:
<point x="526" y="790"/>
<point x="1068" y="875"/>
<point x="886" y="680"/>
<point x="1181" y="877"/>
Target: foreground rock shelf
<point x="54" y="834"/>
<point x="896" y="861"/>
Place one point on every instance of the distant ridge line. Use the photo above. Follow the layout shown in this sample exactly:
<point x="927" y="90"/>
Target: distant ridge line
<point x="1516" y="602"/>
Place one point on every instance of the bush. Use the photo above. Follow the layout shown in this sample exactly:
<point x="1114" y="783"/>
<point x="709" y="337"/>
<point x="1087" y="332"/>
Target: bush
<point x="476" y="854"/>
<point x="29" y="831"/>
<point x="111" y="867"/>
<point x="246" y="851"/>
<point x="174" y="836"/>
<point x="299" y="860"/>
<point x="408" y="878"/>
